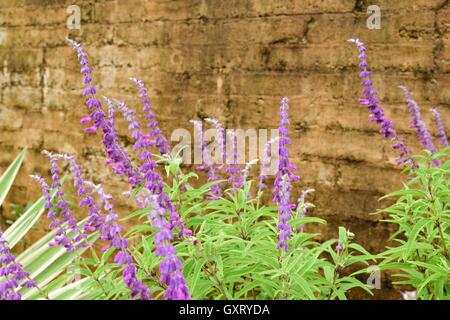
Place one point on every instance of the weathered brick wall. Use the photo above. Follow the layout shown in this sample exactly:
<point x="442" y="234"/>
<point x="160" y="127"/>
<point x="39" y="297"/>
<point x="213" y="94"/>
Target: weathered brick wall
<point x="233" y="60"/>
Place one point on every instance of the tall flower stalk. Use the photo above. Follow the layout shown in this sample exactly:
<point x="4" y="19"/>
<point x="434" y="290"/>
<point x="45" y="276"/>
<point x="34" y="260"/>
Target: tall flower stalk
<point x="423" y="135"/>
<point x="265" y="163"/>
<point x="443" y="140"/>
<point x="214" y="168"/>
<point x="106" y="223"/>
<point x="302" y="206"/>
<point x="155" y="135"/>
<point x="376" y="111"/>
<point x="117" y="156"/>
<point x="145" y="175"/>
<point x="283" y="178"/>
<point x="235" y="179"/>
<point x="153" y="180"/>
<point x="207" y="164"/>
<point x="68" y="233"/>
<point x="154" y="197"/>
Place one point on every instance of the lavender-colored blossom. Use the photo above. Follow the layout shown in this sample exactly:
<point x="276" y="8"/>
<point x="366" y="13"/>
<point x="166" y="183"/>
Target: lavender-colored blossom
<point x="284" y="211"/>
<point x="221" y="153"/>
<point x="302" y="207"/>
<point x="171" y="267"/>
<point x="265" y="163"/>
<point x="117" y="156"/>
<point x="214" y="168"/>
<point x="247" y="168"/>
<point x="232" y="169"/>
<point x="68" y="234"/>
<point x="376" y="111"/>
<point x="158" y="140"/>
<point x="283" y="177"/>
<point x="441" y="129"/>
<point x="111" y="232"/>
<point x="12" y="274"/>
<point x="338" y="247"/>
<point x="146" y="174"/>
<point x="153" y="181"/>
<point x="423" y="135"/>
<point x="208" y="164"/>
<point x="94" y="221"/>
<point x="153" y="196"/>
<point x="285" y="167"/>
<point x="106" y="224"/>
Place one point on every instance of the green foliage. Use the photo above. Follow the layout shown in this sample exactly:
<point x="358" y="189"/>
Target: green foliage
<point x="233" y="252"/>
<point x="420" y="257"/>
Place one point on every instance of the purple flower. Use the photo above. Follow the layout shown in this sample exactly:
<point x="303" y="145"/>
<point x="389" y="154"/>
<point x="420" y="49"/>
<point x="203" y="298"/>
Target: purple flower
<point x="441" y="129"/>
<point x="68" y="233"/>
<point x="265" y="163"/>
<point x="232" y="169"/>
<point x="171" y="267"/>
<point x="159" y="141"/>
<point x="153" y="181"/>
<point x="338" y="247"/>
<point x="117" y="156"/>
<point x="12" y="273"/>
<point x="284" y="211"/>
<point x="111" y="232"/>
<point x="423" y="135"/>
<point x="302" y="207"/>
<point x="285" y="167"/>
<point x="283" y="177"/>
<point x="213" y="168"/>
<point x="153" y="195"/>
<point x="246" y="171"/>
<point x="208" y="164"/>
<point x="106" y="224"/>
<point x="376" y="111"/>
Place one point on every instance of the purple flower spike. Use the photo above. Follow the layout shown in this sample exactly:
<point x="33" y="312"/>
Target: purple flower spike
<point x="246" y="171"/>
<point x="441" y="129"/>
<point x="285" y="167"/>
<point x="284" y="211"/>
<point x="111" y="232"/>
<point x="265" y="163"/>
<point x="303" y="207"/>
<point x="160" y="141"/>
<point x="213" y="168"/>
<point x="423" y="135"/>
<point x="117" y="156"/>
<point x="68" y="233"/>
<point x="171" y="267"/>
<point x="232" y="169"/>
<point x="152" y="179"/>
<point x="283" y="177"/>
<point x="12" y="273"/>
<point x="208" y="164"/>
<point x="376" y="111"/>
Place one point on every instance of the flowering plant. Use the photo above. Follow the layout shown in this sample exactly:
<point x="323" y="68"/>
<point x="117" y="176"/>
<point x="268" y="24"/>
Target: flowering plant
<point x="420" y="254"/>
<point x="219" y="239"/>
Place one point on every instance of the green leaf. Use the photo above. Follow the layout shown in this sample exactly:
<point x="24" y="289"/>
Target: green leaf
<point x="7" y="179"/>
<point x="19" y="228"/>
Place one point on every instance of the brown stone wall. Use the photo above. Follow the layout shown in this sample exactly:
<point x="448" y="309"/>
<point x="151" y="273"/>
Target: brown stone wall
<point x="234" y="60"/>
